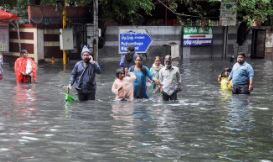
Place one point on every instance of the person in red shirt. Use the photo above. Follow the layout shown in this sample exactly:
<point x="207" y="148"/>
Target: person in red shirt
<point x="25" y="68"/>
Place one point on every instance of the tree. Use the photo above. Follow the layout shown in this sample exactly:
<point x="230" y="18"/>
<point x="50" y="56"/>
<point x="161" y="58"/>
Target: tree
<point x="122" y="11"/>
<point x="125" y="11"/>
<point x="247" y="10"/>
<point x="255" y="10"/>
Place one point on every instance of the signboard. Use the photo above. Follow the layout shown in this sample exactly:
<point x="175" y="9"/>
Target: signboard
<point x="228" y="13"/>
<point x="139" y="38"/>
<point x="197" y="36"/>
<point x="66" y="39"/>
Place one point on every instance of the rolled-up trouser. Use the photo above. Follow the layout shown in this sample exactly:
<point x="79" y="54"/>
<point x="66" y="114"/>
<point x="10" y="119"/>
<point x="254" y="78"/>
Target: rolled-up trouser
<point x="167" y="97"/>
<point x="240" y="89"/>
<point x="86" y="96"/>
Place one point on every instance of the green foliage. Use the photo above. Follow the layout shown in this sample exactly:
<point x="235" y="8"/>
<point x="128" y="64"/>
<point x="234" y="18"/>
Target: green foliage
<point x="125" y="11"/>
<point x="133" y="11"/>
<point x="259" y="10"/>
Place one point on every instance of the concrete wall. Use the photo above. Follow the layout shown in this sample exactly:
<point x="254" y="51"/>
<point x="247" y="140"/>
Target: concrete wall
<point x="28" y="39"/>
<point x="41" y="43"/>
<point x="164" y="35"/>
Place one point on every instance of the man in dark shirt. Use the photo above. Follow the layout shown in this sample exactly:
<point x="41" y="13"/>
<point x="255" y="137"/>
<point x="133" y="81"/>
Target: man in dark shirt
<point x="83" y="76"/>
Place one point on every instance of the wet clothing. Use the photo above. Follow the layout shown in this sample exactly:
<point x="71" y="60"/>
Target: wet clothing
<point x="127" y="87"/>
<point x="25" y="70"/>
<point x="86" y="96"/>
<point x="240" y="89"/>
<point x="170" y="80"/>
<point x="140" y="87"/>
<point x="155" y="70"/>
<point x="167" y="97"/>
<point x="225" y="83"/>
<point x="240" y="76"/>
<point x="83" y="79"/>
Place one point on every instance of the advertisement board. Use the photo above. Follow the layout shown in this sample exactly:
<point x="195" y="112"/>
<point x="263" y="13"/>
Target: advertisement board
<point x="197" y="36"/>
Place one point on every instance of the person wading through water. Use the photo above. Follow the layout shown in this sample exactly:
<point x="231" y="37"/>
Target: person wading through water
<point x="25" y="68"/>
<point x="83" y="76"/>
<point x="241" y="76"/>
<point x="141" y="72"/>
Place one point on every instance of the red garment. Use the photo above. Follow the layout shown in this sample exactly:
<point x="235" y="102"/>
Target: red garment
<point x="20" y="68"/>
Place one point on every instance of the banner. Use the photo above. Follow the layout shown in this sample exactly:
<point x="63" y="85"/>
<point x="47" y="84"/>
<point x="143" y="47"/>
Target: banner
<point x="197" y="36"/>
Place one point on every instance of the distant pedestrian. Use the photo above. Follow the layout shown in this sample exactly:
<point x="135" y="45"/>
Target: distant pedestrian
<point x="83" y="76"/>
<point x="242" y="75"/>
<point x="127" y="59"/>
<point x="141" y="72"/>
<point x="123" y="85"/>
<point x="169" y="77"/>
<point x="25" y="68"/>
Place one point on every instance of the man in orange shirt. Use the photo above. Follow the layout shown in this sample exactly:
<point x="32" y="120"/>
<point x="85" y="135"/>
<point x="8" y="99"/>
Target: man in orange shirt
<point x="25" y="68"/>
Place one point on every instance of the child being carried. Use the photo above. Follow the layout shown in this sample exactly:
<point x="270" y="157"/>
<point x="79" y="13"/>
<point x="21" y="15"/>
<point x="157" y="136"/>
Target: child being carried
<point x="123" y="85"/>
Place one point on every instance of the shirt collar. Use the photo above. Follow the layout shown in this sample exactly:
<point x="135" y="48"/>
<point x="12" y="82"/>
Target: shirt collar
<point x="168" y="69"/>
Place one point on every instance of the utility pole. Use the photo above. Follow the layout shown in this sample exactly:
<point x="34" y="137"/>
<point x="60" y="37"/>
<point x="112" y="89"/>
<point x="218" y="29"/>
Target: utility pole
<point x="225" y="42"/>
<point x="95" y="29"/>
<point x="64" y="26"/>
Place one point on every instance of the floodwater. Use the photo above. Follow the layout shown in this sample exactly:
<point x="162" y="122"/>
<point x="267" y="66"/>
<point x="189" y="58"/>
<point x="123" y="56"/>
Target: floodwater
<point x="206" y="124"/>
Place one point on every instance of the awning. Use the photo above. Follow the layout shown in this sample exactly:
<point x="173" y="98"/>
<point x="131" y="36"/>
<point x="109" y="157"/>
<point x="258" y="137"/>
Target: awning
<point x="7" y="16"/>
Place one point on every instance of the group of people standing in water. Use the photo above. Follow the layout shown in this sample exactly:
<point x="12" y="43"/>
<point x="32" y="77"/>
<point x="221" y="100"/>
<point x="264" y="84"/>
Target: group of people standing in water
<point x="132" y="77"/>
<point x="131" y="81"/>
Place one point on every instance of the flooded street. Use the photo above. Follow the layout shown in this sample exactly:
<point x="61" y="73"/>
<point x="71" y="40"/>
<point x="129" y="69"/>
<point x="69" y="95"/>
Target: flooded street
<point x="206" y="124"/>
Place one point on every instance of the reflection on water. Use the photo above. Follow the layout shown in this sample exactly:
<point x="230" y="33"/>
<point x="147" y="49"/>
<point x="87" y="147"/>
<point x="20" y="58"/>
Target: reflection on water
<point x="205" y="124"/>
<point x="25" y="99"/>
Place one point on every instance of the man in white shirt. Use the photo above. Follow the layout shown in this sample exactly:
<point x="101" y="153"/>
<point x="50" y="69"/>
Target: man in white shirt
<point x="169" y="77"/>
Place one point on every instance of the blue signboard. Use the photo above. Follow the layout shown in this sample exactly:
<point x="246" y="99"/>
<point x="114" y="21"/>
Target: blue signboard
<point x="138" y="38"/>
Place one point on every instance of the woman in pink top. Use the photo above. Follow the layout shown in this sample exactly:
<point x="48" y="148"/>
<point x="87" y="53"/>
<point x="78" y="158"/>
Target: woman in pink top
<point x="123" y="85"/>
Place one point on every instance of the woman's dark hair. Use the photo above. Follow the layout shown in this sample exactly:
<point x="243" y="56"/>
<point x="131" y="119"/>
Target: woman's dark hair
<point x="142" y="68"/>
<point x="141" y="58"/>
<point x="119" y="71"/>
